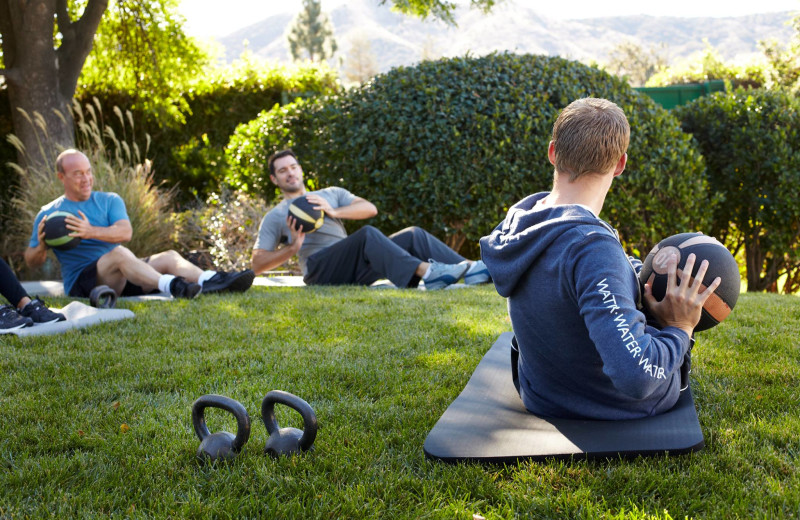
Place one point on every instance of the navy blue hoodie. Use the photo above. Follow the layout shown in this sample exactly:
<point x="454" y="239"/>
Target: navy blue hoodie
<point x="586" y="351"/>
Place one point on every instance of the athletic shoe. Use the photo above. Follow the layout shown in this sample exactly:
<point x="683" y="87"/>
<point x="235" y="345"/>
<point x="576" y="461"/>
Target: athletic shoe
<point x="180" y="288"/>
<point x="229" y="282"/>
<point x="10" y="319"/>
<point x="37" y="311"/>
<point x="442" y="275"/>
<point x="477" y="273"/>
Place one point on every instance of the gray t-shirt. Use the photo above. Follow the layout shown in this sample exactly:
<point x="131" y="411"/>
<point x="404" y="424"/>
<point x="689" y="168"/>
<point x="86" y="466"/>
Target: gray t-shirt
<point x="274" y="231"/>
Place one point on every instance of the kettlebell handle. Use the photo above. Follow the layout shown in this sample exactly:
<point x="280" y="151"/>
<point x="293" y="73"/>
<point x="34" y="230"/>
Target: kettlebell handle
<point x="296" y="403"/>
<point x="229" y="405"/>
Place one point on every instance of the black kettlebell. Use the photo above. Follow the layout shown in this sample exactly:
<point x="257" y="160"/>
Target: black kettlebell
<point x="288" y="441"/>
<point x="221" y="445"/>
<point x="103" y="297"/>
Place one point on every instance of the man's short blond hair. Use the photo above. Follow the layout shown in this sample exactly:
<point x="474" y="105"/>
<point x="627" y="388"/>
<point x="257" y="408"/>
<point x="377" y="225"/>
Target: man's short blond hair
<point x="589" y="137"/>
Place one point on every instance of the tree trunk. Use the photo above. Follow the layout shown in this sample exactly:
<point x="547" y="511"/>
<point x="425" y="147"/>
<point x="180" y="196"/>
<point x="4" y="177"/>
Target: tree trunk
<point x="42" y="79"/>
<point x="762" y="271"/>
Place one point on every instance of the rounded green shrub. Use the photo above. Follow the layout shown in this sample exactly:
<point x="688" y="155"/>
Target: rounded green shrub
<point x="450" y="145"/>
<point x="751" y="143"/>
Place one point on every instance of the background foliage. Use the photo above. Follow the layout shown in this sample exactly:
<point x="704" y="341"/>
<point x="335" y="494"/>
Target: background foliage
<point x="190" y="153"/>
<point x="219" y="232"/>
<point x="118" y="165"/>
<point x="450" y="145"/>
<point x="751" y="142"/>
<point x="777" y="67"/>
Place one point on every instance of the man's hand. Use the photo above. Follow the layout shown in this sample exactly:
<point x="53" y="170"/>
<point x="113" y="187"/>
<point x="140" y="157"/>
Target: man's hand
<point x="298" y="236"/>
<point x="320" y="203"/>
<point x="80" y="227"/>
<point x="40" y="232"/>
<point x="682" y="304"/>
<point x="36" y="256"/>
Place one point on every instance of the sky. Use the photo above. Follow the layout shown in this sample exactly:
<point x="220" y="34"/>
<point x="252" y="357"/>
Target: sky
<point x="205" y="19"/>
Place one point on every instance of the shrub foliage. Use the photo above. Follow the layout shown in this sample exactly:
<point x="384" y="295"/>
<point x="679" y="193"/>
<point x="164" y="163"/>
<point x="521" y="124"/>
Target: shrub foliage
<point x="450" y="145"/>
<point x="219" y="232"/>
<point x="751" y="143"/>
<point x="189" y="152"/>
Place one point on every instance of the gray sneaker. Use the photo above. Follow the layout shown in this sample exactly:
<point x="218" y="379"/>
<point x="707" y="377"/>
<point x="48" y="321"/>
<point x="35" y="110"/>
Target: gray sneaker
<point x="477" y="273"/>
<point x="442" y="275"/>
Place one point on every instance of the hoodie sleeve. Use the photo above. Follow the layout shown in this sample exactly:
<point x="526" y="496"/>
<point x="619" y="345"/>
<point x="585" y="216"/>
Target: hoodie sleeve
<point x="637" y="358"/>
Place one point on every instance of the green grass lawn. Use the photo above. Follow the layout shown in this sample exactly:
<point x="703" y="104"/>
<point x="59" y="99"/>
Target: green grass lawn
<point x="96" y="422"/>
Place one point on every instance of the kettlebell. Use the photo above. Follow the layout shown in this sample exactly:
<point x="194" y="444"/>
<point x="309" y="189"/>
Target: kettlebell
<point x="288" y="441"/>
<point x="220" y="445"/>
<point x="103" y="297"/>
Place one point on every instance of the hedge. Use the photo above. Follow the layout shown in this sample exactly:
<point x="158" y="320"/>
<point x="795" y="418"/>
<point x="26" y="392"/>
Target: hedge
<point x="751" y="143"/>
<point x="450" y="145"/>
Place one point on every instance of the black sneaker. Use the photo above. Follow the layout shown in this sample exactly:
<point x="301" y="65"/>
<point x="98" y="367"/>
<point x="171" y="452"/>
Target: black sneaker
<point x="10" y="319"/>
<point x="37" y="311"/>
<point x="229" y="282"/>
<point x="180" y="288"/>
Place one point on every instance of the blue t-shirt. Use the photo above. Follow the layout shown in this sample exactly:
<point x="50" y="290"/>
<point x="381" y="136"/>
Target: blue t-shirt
<point x="102" y="209"/>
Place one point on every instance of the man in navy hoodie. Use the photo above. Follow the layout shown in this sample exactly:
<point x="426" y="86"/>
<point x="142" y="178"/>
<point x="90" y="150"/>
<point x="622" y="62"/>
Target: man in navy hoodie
<point x="585" y="348"/>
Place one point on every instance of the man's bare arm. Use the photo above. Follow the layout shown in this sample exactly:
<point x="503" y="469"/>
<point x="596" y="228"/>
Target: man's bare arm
<point x="117" y="233"/>
<point x="359" y="209"/>
<point x="263" y="260"/>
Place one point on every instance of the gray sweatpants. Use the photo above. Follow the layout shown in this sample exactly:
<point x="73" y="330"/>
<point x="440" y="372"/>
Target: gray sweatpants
<point x="368" y="255"/>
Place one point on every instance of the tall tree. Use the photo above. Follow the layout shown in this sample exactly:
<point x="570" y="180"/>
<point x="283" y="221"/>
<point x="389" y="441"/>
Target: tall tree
<point x="141" y="51"/>
<point x="629" y="59"/>
<point x="311" y="34"/>
<point x="41" y="70"/>
<point x="360" y="64"/>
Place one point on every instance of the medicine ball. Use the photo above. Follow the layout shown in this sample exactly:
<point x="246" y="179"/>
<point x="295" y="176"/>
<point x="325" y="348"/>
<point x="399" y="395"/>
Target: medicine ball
<point x="720" y="264"/>
<point x="56" y="234"/>
<point x="308" y="218"/>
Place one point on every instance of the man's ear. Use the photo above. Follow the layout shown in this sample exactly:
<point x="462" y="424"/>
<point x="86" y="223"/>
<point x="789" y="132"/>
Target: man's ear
<point x="620" y="167"/>
<point x="272" y="178"/>
<point x="551" y="152"/>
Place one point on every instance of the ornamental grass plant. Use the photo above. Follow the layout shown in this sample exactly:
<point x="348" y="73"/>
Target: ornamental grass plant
<point x="119" y="165"/>
<point x="95" y="423"/>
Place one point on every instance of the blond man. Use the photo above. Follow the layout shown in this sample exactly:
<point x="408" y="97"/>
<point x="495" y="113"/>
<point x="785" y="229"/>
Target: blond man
<point x="583" y="347"/>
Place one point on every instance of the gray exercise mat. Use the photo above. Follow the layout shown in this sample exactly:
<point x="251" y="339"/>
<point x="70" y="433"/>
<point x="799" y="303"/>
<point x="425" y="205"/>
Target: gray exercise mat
<point x="78" y="315"/>
<point x="50" y="288"/>
<point x="488" y="423"/>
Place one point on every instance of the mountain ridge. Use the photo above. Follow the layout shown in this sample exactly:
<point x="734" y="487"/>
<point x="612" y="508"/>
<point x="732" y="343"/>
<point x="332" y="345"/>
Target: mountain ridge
<point x="398" y="40"/>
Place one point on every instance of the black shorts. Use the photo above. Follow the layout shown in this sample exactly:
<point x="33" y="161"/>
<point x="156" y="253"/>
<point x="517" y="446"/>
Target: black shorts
<point x="87" y="281"/>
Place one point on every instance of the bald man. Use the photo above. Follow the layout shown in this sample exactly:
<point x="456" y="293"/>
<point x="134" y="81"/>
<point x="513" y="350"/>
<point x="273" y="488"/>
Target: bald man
<point x="101" y="221"/>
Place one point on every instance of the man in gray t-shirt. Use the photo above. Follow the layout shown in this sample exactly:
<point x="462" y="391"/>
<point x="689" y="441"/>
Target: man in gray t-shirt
<point x="329" y="256"/>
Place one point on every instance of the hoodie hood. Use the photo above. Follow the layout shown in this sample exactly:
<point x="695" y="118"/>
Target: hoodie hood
<point x="527" y="231"/>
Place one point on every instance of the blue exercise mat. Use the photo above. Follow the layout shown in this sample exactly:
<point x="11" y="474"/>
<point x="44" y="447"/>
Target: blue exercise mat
<point x="488" y="423"/>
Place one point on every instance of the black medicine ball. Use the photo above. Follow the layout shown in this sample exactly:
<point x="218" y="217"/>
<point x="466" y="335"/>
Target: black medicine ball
<point x="720" y="264"/>
<point x="56" y="234"/>
<point x="308" y="218"/>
